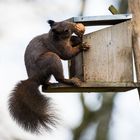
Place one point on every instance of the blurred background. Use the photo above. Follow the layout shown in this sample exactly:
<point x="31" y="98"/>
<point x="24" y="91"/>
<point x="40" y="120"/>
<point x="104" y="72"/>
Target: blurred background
<point x="87" y="116"/>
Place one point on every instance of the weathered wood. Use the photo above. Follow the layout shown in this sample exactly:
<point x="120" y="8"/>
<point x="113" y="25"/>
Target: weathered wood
<point x="110" y="56"/>
<point x="76" y="67"/>
<point x="134" y="7"/>
<point x="101" y="20"/>
<point x="91" y="87"/>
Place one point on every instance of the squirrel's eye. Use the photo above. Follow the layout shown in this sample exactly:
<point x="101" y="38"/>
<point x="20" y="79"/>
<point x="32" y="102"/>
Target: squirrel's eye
<point x="66" y="31"/>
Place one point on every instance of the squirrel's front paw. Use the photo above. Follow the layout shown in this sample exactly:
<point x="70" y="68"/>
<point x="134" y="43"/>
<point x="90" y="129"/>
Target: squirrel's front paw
<point x="76" y="81"/>
<point x="85" y="46"/>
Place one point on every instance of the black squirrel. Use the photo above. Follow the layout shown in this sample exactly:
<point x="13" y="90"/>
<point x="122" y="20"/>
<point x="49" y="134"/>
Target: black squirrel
<point x="27" y="106"/>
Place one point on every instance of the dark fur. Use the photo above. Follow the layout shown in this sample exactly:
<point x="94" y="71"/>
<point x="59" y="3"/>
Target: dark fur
<point x="43" y="57"/>
<point x="30" y="108"/>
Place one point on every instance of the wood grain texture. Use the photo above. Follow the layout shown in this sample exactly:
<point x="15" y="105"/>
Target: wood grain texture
<point x="134" y="7"/>
<point x="110" y="56"/>
<point x="76" y="67"/>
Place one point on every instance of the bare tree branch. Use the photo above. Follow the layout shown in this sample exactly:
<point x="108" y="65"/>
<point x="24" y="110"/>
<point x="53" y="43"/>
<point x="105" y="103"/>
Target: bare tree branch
<point x="83" y="4"/>
<point x="123" y="6"/>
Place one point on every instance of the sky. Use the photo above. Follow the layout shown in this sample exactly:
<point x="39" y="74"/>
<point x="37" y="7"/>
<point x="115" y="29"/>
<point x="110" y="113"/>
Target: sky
<point x="20" y="22"/>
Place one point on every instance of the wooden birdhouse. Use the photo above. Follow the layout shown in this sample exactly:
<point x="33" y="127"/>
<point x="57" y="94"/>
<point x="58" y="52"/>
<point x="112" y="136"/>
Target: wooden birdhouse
<point x="108" y="65"/>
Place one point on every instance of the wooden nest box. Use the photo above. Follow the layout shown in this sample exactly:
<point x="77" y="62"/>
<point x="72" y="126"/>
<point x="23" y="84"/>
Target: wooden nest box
<point x="108" y="64"/>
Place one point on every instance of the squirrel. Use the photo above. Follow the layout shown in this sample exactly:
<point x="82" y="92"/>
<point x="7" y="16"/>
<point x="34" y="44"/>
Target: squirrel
<point x="27" y="106"/>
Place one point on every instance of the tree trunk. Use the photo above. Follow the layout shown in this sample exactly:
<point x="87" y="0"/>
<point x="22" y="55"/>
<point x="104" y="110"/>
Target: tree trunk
<point x="134" y="8"/>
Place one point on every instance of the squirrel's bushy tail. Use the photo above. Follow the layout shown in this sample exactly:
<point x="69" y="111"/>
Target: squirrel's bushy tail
<point x="29" y="108"/>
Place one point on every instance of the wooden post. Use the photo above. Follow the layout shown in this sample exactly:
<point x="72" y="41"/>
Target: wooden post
<point x="134" y="8"/>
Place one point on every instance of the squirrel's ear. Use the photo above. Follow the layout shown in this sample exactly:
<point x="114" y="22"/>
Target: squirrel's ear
<point x="51" y="22"/>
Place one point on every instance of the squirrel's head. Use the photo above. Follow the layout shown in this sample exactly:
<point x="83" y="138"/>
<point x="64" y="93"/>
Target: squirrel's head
<point x="60" y="30"/>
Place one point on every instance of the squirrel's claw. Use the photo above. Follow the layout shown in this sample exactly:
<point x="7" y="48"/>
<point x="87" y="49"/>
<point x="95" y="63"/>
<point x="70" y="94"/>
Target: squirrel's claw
<point x="76" y="81"/>
<point x="85" y="46"/>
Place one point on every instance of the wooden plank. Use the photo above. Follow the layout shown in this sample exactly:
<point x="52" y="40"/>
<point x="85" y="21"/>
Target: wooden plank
<point x="76" y="67"/>
<point x="110" y="56"/>
<point x="101" y="20"/>
<point x="91" y="87"/>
